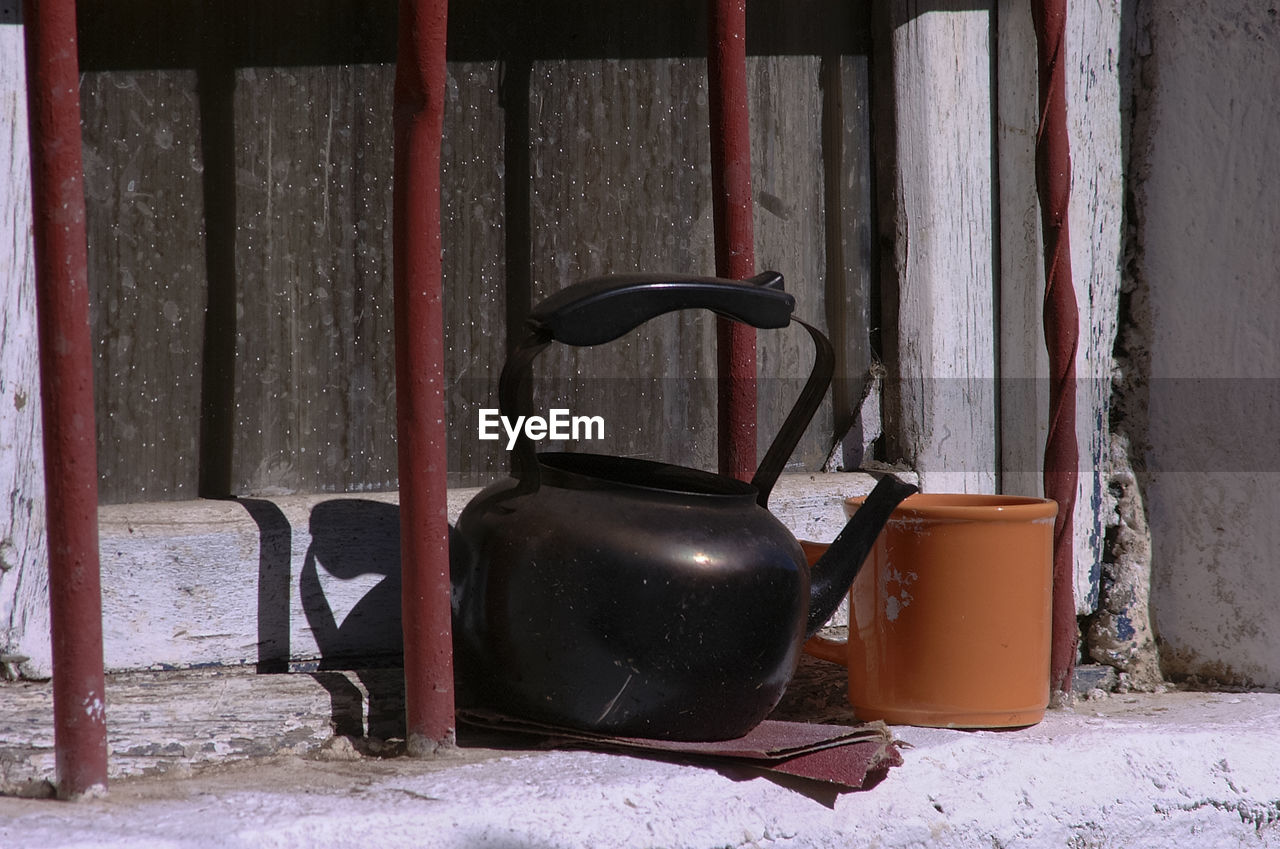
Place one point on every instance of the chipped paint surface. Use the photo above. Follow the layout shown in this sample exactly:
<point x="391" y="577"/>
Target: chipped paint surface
<point x="94" y="708"/>
<point x="894" y="589"/>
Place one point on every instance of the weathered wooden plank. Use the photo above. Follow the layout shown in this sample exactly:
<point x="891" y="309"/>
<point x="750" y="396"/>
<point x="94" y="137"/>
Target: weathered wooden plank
<point x="1095" y="122"/>
<point x="256" y="581"/>
<point x="314" y="387"/>
<point x="477" y="270"/>
<point x="940" y="403"/>
<point x="792" y="178"/>
<point x="641" y="202"/>
<point x="566" y="168"/>
<point x="1024" y="398"/>
<point x="300" y="578"/>
<point x="24" y="580"/>
<point x="621" y="182"/>
<point x="179" y="720"/>
<point x="850" y="221"/>
<point x="310" y="164"/>
<point x="145" y="228"/>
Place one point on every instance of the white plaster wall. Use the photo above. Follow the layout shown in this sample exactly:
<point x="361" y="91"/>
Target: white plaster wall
<point x="1208" y="191"/>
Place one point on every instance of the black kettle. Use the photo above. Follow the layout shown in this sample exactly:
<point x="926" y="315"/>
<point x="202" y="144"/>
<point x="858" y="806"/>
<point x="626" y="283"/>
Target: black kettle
<point x="636" y="598"/>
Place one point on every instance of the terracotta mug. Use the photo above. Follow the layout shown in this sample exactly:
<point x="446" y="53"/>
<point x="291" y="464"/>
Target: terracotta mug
<point x="949" y="619"/>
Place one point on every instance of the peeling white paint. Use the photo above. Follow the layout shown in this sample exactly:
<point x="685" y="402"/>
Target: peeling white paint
<point x="896" y="601"/>
<point x="94" y="708"/>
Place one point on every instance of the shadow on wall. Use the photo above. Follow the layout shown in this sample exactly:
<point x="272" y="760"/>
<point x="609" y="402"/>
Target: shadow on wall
<point x="275" y="542"/>
<point x="352" y="540"/>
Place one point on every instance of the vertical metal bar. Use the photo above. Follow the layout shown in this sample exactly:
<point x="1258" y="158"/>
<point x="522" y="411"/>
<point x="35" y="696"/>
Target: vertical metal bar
<point x="734" y="230"/>
<point x="66" y="381"/>
<point x="419" y="343"/>
<point x="1061" y="324"/>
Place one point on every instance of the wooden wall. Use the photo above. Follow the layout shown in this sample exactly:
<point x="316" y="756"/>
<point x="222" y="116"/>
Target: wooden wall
<point x="966" y="402"/>
<point x="238" y="172"/>
<point x="238" y="201"/>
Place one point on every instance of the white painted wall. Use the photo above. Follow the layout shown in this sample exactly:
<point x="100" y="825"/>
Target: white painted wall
<point x="1208" y="293"/>
<point x="24" y="580"/>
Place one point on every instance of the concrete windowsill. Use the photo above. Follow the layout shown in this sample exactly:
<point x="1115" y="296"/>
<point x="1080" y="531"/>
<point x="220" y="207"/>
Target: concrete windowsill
<point x="225" y="757"/>
<point x="206" y="758"/>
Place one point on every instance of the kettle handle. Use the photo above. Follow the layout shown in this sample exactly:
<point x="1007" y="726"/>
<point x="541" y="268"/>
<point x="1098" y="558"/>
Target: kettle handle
<point x="602" y="309"/>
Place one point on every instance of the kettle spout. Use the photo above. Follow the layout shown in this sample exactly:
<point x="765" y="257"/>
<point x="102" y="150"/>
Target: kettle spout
<point x="831" y="577"/>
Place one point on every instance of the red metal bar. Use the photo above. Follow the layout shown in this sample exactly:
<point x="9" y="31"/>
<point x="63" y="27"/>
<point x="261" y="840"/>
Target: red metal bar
<point x="1061" y="324"/>
<point x="420" y="407"/>
<point x="66" y="392"/>
<point x="734" y="233"/>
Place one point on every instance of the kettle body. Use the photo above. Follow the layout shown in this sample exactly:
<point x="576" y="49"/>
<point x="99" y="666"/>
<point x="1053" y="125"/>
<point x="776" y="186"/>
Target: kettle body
<point x="636" y="598"/>
<point x="638" y="604"/>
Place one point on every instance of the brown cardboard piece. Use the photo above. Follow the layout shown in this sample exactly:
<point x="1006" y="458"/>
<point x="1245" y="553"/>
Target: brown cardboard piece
<point x="845" y="757"/>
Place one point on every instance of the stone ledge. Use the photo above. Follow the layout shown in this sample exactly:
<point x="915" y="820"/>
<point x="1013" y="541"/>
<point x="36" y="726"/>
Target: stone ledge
<point x="228" y="758"/>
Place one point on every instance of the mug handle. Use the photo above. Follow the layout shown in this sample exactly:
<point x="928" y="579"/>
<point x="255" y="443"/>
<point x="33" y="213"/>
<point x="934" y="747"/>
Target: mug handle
<point x="830" y="650"/>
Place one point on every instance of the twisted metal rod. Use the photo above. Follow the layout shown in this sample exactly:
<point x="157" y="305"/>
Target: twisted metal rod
<point x="1061" y="323"/>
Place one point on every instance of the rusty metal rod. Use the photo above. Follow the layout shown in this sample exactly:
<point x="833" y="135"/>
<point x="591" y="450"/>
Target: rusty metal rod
<point x="419" y="344"/>
<point x="734" y="231"/>
<point x="1061" y="324"/>
<point x="66" y="392"/>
